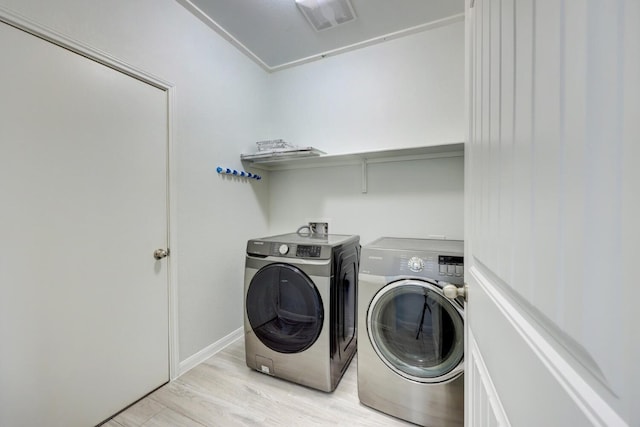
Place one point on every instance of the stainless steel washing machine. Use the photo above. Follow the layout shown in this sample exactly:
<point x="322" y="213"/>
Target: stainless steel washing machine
<point x="300" y="307"/>
<point x="411" y="344"/>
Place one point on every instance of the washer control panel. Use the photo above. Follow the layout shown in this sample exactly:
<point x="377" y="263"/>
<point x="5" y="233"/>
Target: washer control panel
<point x="289" y="249"/>
<point x="450" y="265"/>
<point x="432" y="259"/>
<point x="294" y="250"/>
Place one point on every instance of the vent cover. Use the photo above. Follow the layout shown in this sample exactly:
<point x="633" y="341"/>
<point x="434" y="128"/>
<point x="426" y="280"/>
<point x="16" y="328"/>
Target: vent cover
<point x="325" y="14"/>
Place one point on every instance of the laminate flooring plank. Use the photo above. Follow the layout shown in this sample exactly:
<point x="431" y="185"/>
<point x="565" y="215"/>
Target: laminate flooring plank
<point x="223" y="391"/>
<point x="169" y="418"/>
<point x="139" y="413"/>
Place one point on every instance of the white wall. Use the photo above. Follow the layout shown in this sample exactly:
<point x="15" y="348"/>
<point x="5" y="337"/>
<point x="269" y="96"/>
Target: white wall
<point x="405" y="92"/>
<point x="220" y="110"/>
<point x="415" y="198"/>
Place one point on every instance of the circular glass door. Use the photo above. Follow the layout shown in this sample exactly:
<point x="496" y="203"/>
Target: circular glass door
<point x="416" y="331"/>
<point x="284" y="308"/>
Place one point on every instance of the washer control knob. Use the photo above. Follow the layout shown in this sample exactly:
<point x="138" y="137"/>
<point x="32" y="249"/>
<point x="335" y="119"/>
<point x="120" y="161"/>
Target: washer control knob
<point x="283" y="249"/>
<point x="416" y="264"/>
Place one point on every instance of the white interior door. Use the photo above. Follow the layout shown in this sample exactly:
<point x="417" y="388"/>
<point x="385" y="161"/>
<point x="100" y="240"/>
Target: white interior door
<point x="552" y="184"/>
<point x="83" y="194"/>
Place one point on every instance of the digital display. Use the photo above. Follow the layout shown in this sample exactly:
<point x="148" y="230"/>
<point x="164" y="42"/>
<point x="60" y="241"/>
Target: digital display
<point x="446" y="259"/>
<point x="308" y="251"/>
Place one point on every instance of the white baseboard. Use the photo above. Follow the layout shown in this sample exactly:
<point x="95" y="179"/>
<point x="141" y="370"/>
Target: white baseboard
<point x="199" y="357"/>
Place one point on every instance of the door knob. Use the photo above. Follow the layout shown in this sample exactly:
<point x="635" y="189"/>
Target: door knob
<point x="160" y="253"/>
<point x="452" y="291"/>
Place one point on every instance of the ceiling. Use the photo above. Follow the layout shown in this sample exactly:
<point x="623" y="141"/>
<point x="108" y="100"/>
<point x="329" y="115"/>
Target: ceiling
<point x="276" y="34"/>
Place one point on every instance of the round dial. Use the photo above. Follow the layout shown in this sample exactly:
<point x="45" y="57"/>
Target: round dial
<point x="416" y="264"/>
<point x="283" y="249"/>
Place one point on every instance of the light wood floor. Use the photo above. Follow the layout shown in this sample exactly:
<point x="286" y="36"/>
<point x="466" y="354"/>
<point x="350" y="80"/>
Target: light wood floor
<point x="222" y="391"/>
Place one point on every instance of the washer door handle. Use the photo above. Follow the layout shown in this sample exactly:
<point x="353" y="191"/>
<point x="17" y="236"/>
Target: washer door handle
<point x="452" y="291"/>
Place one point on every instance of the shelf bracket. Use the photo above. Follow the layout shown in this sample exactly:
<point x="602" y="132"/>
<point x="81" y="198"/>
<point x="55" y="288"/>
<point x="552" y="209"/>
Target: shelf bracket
<point x="364" y="176"/>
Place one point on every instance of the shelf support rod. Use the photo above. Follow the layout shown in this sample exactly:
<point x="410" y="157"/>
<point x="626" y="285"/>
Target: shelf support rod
<point x="364" y="176"/>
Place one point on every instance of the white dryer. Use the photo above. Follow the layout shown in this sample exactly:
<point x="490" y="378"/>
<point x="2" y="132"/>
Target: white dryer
<point x="300" y="307"/>
<point x="411" y="340"/>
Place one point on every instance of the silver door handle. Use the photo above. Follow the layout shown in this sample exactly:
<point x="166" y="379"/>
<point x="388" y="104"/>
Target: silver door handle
<point x="452" y="291"/>
<point x="160" y="253"/>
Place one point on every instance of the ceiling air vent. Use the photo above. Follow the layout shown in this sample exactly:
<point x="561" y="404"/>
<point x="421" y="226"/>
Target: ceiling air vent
<point x="325" y="14"/>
